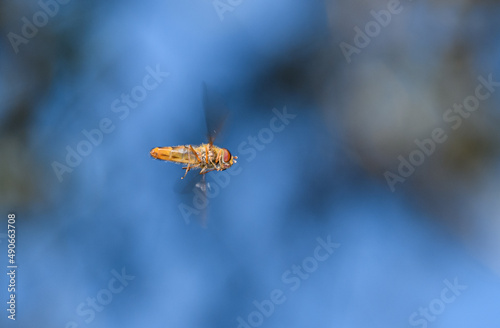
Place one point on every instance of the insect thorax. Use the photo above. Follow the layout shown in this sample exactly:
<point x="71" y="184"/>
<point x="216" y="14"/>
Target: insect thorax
<point x="212" y="156"/>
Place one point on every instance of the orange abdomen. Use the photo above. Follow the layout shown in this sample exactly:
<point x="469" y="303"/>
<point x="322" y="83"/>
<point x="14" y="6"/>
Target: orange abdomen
<point x="177" y="154"/>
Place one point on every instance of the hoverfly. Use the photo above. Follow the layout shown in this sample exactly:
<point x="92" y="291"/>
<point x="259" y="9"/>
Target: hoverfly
<point x="206" y="157"/>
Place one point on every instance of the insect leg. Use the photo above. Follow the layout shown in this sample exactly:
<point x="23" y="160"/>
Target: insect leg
<point x="212" y="161"/>
<point x="187" y="170"/>
<point x="194" y="152"/>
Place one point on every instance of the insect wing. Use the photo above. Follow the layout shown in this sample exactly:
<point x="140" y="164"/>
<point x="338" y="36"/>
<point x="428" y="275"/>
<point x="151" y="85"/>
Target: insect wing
<point x="215" y="112"/>
<point x="193" y="193"/>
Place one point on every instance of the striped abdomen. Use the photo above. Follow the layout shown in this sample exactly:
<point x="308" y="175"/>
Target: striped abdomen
<point x="177" y="154"/>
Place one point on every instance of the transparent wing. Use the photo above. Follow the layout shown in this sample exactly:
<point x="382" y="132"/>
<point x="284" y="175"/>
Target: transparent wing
<point x="215" y="112"/>
<point x="193" y="193"/>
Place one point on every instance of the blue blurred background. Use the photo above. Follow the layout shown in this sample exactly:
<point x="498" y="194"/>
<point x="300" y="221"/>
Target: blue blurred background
<point x="102" y="240"/>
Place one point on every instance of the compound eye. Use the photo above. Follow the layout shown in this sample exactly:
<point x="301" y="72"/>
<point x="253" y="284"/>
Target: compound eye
<point x="226" y="156"/>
